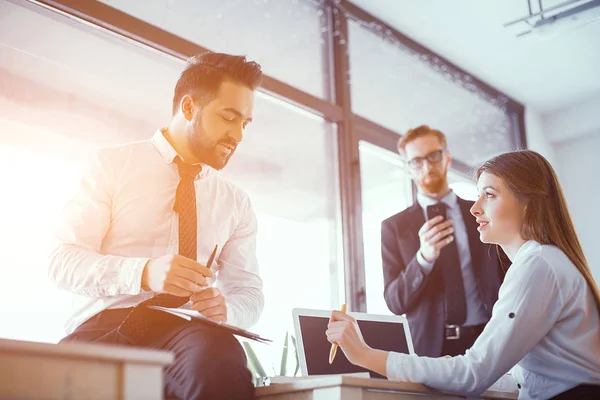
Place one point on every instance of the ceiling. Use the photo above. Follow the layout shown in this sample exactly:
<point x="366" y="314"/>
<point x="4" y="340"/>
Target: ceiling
<point x="544" y="74"/>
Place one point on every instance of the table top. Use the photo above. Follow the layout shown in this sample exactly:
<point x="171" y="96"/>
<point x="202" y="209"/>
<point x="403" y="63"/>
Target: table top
<point x="303" y="384"/>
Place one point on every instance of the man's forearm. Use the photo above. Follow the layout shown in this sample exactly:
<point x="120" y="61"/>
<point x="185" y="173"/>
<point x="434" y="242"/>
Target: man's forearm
<point x="244" y="307"/>
<point x="402" y="293"/>
<point x="87" y="273"/>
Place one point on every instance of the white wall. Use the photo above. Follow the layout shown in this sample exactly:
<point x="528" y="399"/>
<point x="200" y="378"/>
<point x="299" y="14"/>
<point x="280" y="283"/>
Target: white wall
<point x="578" y="172"/>
<point x="570" y="139"/>
<point x="536" y="137"/>
<point x="577" y="120"/>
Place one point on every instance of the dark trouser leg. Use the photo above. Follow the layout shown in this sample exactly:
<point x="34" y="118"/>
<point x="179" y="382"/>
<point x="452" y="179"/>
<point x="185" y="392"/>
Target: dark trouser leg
<point x="581" y="392"/>
<point x="208" y="364"/>
<point x="101" y="328"/>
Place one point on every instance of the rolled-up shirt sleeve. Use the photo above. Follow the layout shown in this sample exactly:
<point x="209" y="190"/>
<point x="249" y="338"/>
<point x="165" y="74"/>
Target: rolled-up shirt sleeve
<point x="239" y="278"/>
<point x="520" y="319"/>
<point x="76" y="263"/>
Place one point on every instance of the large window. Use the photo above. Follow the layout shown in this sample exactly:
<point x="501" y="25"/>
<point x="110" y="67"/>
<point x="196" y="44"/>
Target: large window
<point x="55" y="107"/>
<point x="464" y="186"/>
<point x="386" y="190"/>
<point x="286" y="37"/>
<point x="285" y="164"/>
<point x="34" y="187"/>
<point x="414" y="89"/>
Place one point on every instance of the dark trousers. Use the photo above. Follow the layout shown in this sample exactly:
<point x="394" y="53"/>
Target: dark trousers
<point x="458" y="347"/>
<point x="208" y="364"/>
<point x="581" y="392"/>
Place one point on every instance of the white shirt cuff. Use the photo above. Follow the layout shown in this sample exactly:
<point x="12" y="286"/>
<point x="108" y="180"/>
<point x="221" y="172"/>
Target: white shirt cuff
<point x="132" y="271"/>
<point x="425" y="265"/>
<point x="393" y="366"/>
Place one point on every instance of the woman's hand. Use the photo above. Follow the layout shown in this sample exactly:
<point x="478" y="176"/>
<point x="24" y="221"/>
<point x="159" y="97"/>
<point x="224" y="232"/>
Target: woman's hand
<point x="343" y="330"/>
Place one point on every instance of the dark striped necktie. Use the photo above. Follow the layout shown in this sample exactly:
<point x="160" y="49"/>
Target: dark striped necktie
<point x="137" y="323"/>
<point x="454" y="288"/>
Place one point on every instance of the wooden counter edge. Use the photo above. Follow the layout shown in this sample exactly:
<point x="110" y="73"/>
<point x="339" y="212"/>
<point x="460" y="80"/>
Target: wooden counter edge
<point x="94" y="351"/>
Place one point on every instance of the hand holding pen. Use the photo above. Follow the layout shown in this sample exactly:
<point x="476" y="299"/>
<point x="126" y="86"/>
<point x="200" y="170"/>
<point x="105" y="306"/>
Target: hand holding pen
<point x="343" y="331"/>
<point x="211" y="260"/>
<point x="177" y="275"/>
<point x="210" y="302"/>
<point x="334" y="346"/>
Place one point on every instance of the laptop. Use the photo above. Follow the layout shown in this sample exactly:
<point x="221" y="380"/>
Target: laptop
<point x="384" y="332"/>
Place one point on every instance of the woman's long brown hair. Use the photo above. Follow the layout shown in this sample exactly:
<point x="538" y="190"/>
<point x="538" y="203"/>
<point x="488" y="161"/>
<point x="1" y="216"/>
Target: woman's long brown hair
<point x="547" y="219"/>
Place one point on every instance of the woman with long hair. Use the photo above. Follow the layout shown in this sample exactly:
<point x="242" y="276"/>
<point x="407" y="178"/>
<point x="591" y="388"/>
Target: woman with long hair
<point x="546" y="322"/>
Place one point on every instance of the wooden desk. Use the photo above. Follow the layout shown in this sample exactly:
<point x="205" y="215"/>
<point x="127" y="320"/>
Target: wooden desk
<point x="30" y="370"/>
<point x="339" y="387"/>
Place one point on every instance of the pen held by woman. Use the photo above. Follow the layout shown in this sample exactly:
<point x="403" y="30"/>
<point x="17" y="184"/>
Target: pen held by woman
<point x="334" y="346"/>
<point x="344" y="332"/>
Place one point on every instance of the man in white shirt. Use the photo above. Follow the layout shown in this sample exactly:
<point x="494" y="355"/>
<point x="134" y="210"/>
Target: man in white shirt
<point x="145" y="221"/>
<point x="436" y="271"/>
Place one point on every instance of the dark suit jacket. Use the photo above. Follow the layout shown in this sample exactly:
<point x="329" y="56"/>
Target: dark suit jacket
<point x="408" y="290"/>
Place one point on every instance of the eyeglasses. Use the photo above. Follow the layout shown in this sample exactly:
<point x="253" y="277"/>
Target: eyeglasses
<point x="433" y="158"/>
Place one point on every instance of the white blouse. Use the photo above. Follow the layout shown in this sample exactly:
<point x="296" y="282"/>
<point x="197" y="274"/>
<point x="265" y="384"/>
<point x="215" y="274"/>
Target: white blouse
<point x="545" y="324"/>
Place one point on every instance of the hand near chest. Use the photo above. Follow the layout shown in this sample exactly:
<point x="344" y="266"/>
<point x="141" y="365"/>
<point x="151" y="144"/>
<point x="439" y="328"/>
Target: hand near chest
<point x="434" y="235"/>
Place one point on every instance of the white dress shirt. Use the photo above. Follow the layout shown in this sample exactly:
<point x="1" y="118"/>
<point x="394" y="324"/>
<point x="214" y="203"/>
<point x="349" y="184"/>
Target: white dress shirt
<point x="476" y="314"/>
<point x="545" y="324"/>
<point x="122" y="216"/>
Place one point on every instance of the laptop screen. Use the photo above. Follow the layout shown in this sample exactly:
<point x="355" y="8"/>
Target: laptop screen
<point x="381" y="335"/>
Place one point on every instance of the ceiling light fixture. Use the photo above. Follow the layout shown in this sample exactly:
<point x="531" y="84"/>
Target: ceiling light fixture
<point x="559" y="18"/>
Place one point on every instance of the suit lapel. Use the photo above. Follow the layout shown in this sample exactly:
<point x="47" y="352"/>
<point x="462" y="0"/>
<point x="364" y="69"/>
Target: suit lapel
<point x="416" y="219"/>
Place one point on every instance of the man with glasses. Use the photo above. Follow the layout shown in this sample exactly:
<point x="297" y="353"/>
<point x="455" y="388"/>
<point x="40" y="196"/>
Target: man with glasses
<point x="436" y="271"/>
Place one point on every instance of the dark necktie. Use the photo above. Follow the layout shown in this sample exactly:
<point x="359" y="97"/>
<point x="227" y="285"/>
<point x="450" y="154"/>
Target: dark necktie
<point x="454" y="290"/>
<point x="137" y="323"/>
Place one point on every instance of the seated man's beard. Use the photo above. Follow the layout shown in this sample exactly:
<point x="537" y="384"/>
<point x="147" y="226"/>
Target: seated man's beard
<point x="432" y="183"/>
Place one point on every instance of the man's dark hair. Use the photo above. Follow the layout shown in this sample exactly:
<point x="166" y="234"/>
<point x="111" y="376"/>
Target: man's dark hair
<point x="204" y="73"/>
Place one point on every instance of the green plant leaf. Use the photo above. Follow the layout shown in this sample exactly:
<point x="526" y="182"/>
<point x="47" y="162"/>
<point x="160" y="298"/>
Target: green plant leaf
<point x="253" y="362"/>
<point x="284" y="354"/>
<point x="296" y="354"/>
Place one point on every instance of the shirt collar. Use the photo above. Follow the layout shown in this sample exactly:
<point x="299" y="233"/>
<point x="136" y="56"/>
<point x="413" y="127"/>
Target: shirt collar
<point x="450" y="200"/>
<point x="525" y="248"/>
<point x="168" y="153"/>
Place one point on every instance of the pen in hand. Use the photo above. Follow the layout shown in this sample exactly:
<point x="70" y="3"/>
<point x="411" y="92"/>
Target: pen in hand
<point x="335" y="346"/>
<point x="211" y="259"/>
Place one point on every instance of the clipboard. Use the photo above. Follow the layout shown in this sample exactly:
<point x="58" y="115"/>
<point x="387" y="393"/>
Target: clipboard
<point x="193" y="315"/>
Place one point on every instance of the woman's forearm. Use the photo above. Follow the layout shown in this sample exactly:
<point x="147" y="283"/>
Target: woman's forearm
<point x="375" y="360"/>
